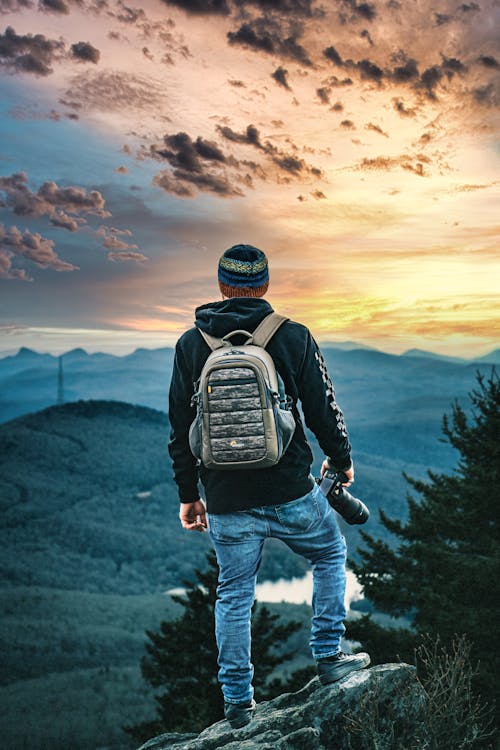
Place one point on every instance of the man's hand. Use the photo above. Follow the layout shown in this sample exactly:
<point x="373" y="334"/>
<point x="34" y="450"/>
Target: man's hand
<point x="193" y="516"/>
<point x="349" y="473"/>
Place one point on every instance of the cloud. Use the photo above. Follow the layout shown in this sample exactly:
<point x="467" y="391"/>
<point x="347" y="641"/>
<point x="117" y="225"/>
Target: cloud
<point x="415" y="164"/>
<point x="272" y="36"/>
<point x="124" y="256"/>
<point x="7" y="272"/>
<point x="85" y="52"/>
<point x="197" y="164"/>
<point x="107" y="90"/>
<point x="280" y="76"/>
<point x="201" y="7"/>
<point x="51" y="200"/>
<point x="323" y="94"/>
<point x="488" y="61"/>
<point x="287" y="162"/>
<point x="297" y="8"/>
<point x="13" y="6"/>
<point x="61" y="219"/>
<point x="376" y="129"/>
<point x="402" y="109"/>
<point x="348" y="125"/>
<point x="121" y="250"/>
<point x="29" y="54"/>
<point x="33" y="247"/>
<point x="53" y="6"/>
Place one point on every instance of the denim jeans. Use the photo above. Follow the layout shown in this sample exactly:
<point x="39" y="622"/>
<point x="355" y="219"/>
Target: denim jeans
<point x="309" y="527"/>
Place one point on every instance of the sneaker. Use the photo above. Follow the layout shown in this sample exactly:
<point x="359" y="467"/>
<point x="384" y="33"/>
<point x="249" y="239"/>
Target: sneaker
<point x="239" y="714"/>
<point x="336" y="667"/>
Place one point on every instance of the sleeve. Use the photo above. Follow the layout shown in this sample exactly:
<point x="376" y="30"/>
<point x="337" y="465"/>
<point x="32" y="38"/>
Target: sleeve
<point x="181" y="414"/>
<point x="322" y="414"/>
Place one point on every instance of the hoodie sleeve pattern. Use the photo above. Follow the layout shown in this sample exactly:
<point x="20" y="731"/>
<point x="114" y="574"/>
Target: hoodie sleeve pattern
<point x="321" y="411"/>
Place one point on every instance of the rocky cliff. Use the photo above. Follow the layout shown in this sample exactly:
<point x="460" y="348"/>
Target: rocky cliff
<point x="378" y="707"/>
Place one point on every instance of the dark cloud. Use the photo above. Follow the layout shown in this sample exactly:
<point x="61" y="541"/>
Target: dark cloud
<point x="51" y="200"/>
<point x="29" y="53"/>
<point x="337" y="83"/>
<point x="280" y="76"/>
<point x="402" y="109"/>
<point x="442" y="18"/>
<point x="348" y="125"/>
<point x="126" y="14"/>
<point x="237" y="84"/>
<point x="364" y="11"/>
<point x="430" y="79"/>
<point x="201" y="7"/>
<point x="200" y="164"/>
<point x="53" y="6"/>
<point x="369" y="71"/>
<point x="488" y="61"/>
<point x="298" y="8"/>
<point x="33" y="247"/>
<point x="286" y="162"/>
<point x="487" y="95"/>
<point x="318" y="195"/>
<point x="273" y="37"/>
<point x="331" y="54"/>
<point x="376" y="129"/>
<point x="338" y="107"/>
<point x="365" y="34"/>
<point x="323" y="94"/>
<point x="406" y="72"/>
<point x="469" y="7"/>
<point x="415" y="164"/>
<point x="452" y="65"/>
<point x="85" y="52"/>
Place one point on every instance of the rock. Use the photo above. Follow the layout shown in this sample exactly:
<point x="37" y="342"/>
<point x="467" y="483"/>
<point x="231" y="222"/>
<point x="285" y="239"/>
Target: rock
<point x="366" y="709"/>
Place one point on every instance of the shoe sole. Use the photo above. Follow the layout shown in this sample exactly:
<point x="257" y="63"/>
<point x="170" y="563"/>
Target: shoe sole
<point x="341" y="672"/>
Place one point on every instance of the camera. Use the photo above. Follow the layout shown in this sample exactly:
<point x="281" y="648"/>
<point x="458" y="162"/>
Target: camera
<point x="352" y="510"/>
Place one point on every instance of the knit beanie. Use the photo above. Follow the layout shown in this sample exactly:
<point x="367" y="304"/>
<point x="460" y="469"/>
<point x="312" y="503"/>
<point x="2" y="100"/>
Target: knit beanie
<point x="243" y="272"/>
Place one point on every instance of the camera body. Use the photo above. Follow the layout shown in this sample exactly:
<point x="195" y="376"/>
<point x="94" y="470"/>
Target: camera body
<point x="352" y="510"/>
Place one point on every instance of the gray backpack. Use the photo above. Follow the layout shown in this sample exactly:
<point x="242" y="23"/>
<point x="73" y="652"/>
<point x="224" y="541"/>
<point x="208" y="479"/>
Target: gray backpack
<point x="243" y="419"/>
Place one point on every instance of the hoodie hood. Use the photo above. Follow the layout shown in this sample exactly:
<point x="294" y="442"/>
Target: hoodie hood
<point x="220" y="318"/>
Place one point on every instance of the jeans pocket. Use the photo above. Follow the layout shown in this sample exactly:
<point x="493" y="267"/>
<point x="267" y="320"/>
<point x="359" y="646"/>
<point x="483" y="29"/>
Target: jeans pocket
<point x="232" y="527"/>
<point x="299" y="515"/>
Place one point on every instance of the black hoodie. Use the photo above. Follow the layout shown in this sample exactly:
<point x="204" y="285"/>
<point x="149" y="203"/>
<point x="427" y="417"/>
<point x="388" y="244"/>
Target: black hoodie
<point x="301" y="365"/>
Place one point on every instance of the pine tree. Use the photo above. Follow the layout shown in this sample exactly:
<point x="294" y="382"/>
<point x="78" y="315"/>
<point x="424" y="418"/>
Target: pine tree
<point x="182" y="660"/>
<point x="444" y="575"/>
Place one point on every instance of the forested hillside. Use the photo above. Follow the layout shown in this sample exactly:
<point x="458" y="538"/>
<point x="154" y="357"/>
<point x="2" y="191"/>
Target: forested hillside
<point x="89" y="503"/>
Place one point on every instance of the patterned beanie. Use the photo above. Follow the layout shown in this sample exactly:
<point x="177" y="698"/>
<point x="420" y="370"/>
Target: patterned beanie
<point x="243" y="272"/>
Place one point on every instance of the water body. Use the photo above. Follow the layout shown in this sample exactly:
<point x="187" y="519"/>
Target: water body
<point x="299" y="590"/>
<point x="294" y="590"/>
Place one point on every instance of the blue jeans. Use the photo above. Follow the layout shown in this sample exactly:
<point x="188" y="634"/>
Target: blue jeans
<point x="309" y="527"/>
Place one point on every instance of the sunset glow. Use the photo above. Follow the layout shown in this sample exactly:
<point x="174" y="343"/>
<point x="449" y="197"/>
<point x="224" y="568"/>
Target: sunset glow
<point x="355" y="143"/>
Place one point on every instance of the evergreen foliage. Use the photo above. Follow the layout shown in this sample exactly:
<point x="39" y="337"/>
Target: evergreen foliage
<point x="182" y="660"/>
<point x="443" y="577"/>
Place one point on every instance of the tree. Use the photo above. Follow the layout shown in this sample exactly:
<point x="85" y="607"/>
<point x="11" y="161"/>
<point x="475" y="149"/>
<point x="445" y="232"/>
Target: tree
<point x="443" y="578"/>
<point x="182" y="660"/>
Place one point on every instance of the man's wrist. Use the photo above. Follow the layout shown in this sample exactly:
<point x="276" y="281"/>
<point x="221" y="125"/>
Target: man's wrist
<point x="335" y="465"/>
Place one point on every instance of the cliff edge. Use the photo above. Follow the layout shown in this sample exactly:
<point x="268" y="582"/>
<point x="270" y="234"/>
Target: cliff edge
<point x="370" y="706"/>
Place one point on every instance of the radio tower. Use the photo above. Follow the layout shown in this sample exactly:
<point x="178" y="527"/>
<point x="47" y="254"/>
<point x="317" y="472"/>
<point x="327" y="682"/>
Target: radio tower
<point x="60" y="383"/>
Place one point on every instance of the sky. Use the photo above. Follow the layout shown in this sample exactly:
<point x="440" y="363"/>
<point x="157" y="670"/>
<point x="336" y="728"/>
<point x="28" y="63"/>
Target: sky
<point x="355" y="143"/>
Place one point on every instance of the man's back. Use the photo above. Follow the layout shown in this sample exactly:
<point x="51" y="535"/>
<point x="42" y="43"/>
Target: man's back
<point x="300" y="365"/>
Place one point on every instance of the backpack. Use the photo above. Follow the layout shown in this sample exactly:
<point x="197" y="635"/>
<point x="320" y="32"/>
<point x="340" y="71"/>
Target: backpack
<point x="243" y="418"/>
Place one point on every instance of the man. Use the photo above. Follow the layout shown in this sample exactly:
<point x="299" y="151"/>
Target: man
<point x="244" y="507"/>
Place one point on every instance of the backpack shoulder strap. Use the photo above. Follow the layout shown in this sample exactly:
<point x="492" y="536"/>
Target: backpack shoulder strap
<point x="212" y="341"/>
<point x="267" y="328"/>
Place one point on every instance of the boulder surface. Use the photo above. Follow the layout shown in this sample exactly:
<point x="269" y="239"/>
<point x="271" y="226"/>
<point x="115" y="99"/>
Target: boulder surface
<point x="366" y="708"/>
